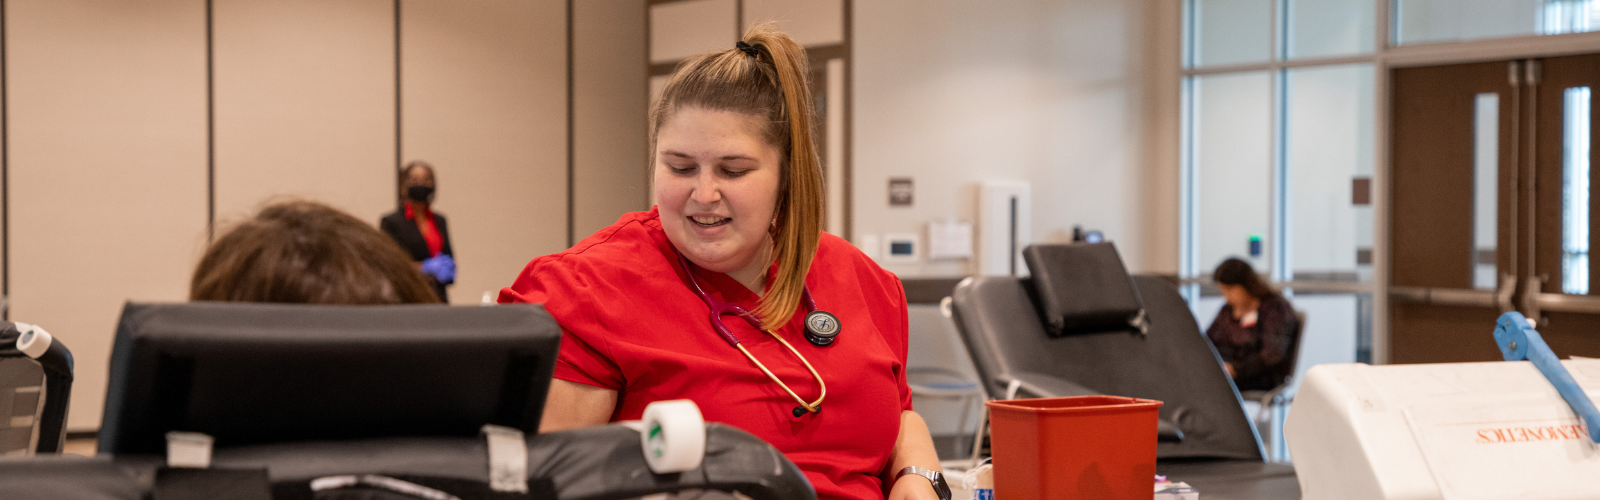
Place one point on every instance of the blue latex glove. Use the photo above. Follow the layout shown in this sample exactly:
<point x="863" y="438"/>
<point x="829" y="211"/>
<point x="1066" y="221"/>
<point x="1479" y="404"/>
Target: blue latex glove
<point x="441" y="267"/>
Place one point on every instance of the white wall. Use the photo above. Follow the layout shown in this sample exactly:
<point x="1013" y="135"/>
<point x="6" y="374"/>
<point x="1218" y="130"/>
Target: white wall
<point x="809" y="22"/>
<point x="611" y="171"/>
<point x="689" y="27"/>
<point x="1059" y="94"/>
<point x="483" y="98"/>
<point x="107" y="162"/>
<point x="305" y="104"/>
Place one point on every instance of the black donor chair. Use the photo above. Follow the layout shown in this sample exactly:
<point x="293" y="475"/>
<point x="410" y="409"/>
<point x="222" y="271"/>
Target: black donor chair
<point x="371" y="402"/>
<point x="1082" y="326"/>
<point x="35" y="386"/>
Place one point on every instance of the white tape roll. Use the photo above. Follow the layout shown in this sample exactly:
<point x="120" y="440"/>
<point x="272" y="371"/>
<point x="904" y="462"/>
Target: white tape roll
<point x="34" y="341"/>
<point x="674" y="436"/>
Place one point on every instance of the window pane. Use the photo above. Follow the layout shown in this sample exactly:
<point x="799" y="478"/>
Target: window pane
<point x="1231" y="32"/>
<point x="1454" y="20"/>
<point x="1326" y="28"/>
<point x="1328" y="157"/>
<point x="1485" y="189"/>
<point x="1575" y="192"/>
<point x="1232" y="169"/>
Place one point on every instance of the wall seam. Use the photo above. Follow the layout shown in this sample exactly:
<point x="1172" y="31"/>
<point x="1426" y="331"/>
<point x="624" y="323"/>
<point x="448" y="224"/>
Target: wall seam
<point x="211" y="136"/>
<point x="398" y="201"/>
<point x="649" y="103"/>
<point x="5" y="166"/>
<point x="571" y="132"/>
<point x="847" y="168"/>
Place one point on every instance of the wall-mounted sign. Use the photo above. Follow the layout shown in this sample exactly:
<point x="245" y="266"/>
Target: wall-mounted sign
<point x="900" y="191"/>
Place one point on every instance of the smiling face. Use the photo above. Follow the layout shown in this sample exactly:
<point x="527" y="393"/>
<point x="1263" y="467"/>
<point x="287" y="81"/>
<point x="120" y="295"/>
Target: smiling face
<point x="717" y="181"/>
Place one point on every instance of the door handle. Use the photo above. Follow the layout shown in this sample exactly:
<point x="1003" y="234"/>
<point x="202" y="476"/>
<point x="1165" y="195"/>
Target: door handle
<point x="1531" y="289"/>
<point x="1503" y="293"/>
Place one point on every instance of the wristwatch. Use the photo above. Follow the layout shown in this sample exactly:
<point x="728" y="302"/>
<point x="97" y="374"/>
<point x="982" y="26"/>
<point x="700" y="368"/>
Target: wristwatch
<point x="937" y="478"/>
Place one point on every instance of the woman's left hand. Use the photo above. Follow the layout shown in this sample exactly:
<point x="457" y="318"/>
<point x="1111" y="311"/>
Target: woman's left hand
<point x="912" y="487"/>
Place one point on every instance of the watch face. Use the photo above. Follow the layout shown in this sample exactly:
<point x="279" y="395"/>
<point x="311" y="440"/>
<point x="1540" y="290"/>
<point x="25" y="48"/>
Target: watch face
<point x="940" y="487"/>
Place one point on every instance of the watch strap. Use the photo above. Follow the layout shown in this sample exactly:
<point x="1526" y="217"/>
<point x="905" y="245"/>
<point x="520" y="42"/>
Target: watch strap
<point x="940" y="487"/>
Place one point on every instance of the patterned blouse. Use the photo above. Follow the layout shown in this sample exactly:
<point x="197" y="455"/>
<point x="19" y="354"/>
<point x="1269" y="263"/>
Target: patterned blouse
<point x="1259" y="352"/>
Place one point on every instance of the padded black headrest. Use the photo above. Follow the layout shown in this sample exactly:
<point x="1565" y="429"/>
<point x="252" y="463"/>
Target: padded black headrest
<point x="273" y="373"/>
<point x="1084" y="288"/>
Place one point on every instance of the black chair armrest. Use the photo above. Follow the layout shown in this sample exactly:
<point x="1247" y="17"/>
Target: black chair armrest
<point x="607" y="463"/>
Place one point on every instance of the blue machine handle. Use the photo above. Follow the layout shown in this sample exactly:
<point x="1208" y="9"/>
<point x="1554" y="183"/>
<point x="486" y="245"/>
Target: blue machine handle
<point x="1518" y="342"/>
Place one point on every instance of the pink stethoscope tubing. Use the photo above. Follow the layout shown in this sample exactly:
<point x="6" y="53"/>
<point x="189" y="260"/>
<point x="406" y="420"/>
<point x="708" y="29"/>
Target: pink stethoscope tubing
<point x="720" y="308"/>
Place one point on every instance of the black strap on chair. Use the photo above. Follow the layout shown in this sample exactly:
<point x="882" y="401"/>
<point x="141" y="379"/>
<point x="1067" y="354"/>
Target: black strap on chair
<point x="177" y="483"/>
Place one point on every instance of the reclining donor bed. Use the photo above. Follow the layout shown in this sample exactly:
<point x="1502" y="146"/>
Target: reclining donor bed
<point x="1081" y="325"/>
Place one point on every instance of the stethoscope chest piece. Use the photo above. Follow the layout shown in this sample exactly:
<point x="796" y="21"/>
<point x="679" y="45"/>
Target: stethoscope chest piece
<point x="822" y="328"/>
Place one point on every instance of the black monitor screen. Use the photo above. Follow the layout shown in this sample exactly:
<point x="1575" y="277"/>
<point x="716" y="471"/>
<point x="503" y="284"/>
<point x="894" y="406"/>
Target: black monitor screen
<point x="267" y="373"/>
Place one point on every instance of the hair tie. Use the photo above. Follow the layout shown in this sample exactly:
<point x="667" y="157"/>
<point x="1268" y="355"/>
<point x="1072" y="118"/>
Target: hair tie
<point x="748" y="49"/>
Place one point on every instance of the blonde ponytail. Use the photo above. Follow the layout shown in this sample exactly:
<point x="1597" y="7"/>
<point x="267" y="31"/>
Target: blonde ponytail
<point x="765" y="76"/>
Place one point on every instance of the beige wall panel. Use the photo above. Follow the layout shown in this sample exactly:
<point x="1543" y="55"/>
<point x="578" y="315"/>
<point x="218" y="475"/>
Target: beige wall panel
<point x="107" y="131"/>
<point x="609" y="102"/>
<point x="685" y="28"/>
<point x="484" y="96"/>
<point x="810" y="22"/>
<point x="305" y="106"/>
<point x="834" y="160"/>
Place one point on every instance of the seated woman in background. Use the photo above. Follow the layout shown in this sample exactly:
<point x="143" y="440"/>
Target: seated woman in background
<point x="307" y="252"/>
<point x="1252" y="330"/>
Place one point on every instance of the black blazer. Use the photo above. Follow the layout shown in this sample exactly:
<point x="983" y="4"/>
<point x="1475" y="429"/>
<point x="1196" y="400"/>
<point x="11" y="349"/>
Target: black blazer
<point x="405" y="232"/>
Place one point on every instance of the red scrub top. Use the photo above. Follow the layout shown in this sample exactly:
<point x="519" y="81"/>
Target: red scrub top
<point x="631" y="324"/>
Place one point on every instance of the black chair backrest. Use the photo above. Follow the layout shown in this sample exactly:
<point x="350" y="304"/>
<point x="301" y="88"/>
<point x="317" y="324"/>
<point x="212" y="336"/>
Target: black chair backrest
<point x="1173" y="363"/>
<point x="1083" y="288"/>
<point x="272" y="373"/>
<point x="1296" y="338"/>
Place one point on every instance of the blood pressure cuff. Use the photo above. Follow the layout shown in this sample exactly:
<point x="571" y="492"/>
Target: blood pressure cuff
<point x="1083" y="288"/>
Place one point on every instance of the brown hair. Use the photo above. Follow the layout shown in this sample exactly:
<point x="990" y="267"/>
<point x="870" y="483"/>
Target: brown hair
<point x="765" y="76"/>
<point x="1240" y="273"/>
<point x="307" y="252"/>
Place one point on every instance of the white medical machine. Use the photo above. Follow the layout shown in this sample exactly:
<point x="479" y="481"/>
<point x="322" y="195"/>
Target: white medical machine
<point x="1525" y="428"/>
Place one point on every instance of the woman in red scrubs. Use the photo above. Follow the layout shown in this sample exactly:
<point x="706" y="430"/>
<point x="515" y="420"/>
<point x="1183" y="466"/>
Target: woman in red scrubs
<point x="739" y="186"/>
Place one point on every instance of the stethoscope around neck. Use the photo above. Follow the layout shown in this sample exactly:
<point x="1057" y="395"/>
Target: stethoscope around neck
<point x="822" y="329"/>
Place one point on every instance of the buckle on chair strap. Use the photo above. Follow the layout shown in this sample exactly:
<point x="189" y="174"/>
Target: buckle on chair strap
<point x="1012" y="388"/>
<point x="189" y="450"/>
<point x="508" y="459"/>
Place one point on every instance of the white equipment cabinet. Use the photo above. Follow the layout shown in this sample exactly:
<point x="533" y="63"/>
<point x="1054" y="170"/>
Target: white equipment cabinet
<point x="1458" y="431"/>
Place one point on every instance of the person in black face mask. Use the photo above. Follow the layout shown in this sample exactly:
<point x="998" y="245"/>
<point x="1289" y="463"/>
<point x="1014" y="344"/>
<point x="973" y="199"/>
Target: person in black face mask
<point x="419" y="230"/>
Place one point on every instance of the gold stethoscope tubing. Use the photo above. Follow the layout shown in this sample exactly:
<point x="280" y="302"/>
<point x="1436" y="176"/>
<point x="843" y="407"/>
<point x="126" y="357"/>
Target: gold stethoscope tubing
<point x="811" y="407"/>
